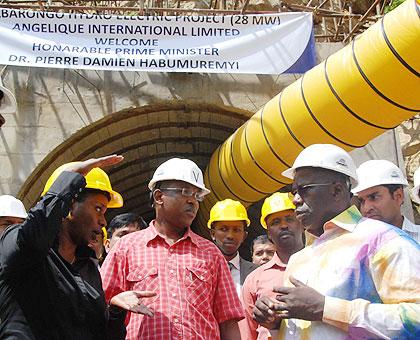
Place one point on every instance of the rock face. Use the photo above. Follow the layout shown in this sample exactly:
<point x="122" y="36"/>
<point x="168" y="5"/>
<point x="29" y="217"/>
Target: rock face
<point x="409" y="135"/>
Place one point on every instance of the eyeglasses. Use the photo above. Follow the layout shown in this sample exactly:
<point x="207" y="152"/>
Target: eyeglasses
<point x="302" y="190"/>
<point x="198" y="195"/>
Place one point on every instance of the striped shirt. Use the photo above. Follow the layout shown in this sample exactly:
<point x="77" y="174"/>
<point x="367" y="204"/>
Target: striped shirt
<point x="195" y="289"/>
<point x="369" y="272"/>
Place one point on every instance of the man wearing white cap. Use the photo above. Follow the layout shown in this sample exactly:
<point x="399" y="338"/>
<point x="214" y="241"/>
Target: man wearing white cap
<point x="12" y="212"/>
<point x="357" y="278"/>
<point x="196" y="296"/>
<point x="380" y="191"/>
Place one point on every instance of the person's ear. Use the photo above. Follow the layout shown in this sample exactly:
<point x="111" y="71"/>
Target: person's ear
<point x="72" y="207"/>
<point x="106" y="246"/>
<point x="398" y="195"/>
<point x="158" y="197"/>
<point x="212" y="235"/>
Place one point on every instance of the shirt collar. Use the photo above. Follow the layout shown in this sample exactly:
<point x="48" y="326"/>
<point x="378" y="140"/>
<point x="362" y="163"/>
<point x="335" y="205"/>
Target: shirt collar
<point x="346" y="220"/>
<point x="408" y="225"/>
<point x="275" y="261"/>
<point x="151" y="234"/>
<point x="235" y="261"/>
<point x="309" y="238"/>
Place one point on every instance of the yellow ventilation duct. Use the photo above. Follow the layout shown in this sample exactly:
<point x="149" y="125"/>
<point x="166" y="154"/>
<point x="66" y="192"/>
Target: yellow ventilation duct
<point x="368" y="87"/>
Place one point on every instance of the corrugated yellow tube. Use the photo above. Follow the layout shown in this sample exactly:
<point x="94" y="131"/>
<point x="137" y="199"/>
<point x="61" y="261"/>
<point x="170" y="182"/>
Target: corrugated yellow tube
<point x="371" y="85"/>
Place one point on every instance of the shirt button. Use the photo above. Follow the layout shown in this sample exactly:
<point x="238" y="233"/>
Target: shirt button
<point x="173" y="295"/>
<point x="171" y="271"/>
<point x="176" y="320"/>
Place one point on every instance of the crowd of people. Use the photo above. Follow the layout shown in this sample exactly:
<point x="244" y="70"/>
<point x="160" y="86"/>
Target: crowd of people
<point x="339" y="260"/>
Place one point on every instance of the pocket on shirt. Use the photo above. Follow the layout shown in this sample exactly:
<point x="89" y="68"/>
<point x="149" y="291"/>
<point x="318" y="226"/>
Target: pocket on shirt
<point x="144" y="279"/>
<point x="198" y="286"/>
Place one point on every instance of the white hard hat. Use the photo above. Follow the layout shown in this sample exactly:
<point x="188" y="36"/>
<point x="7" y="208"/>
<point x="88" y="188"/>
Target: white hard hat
<point x="179" y="169"/>
<point x="378" y="172"/>
<point x="325" y="156"/>
<point x="12" y="207"/>
<point x="415" y="190"/>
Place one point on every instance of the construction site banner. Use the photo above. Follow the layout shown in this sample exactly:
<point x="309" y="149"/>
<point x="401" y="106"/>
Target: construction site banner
<point x="256" y="44"/>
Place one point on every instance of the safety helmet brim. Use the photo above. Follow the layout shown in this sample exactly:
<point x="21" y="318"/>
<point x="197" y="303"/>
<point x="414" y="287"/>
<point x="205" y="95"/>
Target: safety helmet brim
<point x="152" y="184"/>
<point x="290" y="173"/>
<point x="246" y="220"/>
<point x="116" y="200"/>
<point x="377" y="172"/>
<point x="324" y="156"/>
<point x="10" y="206"/>
<point x="360" y="188"/>
<point x="228" y="210"/>
<point x="96" y="179"/>
<point x="179" y="169"/>
<point x="18" y="215"/>
<point x="275" y="203"/>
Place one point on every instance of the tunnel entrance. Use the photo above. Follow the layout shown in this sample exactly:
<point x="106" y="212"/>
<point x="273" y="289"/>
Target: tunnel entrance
<point x="146" y="136"/>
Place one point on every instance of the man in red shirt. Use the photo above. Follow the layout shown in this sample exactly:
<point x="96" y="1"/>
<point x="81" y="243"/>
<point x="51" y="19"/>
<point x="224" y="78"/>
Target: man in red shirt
<point x="285" y="231"/>
<point x="196" y="297"/>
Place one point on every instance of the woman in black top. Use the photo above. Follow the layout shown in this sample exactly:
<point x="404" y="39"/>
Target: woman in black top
<point x="49" y="286"/>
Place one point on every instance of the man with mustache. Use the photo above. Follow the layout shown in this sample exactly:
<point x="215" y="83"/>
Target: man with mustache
<point x="381" y="194"/>
<point x="262" y="250"/>
<point x="356" y="278"/>
<point x="196" y="297"/>
<point x="283" y="229"/>
<point x="228" y="222"/>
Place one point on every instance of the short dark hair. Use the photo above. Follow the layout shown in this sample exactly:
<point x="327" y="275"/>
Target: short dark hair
<point x="122" y="220"/>
<point x="263" y="239"/>
<point x="392" y="187"/>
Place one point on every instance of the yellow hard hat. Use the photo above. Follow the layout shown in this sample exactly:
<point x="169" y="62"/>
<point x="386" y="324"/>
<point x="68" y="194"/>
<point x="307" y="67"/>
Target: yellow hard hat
<point x="228" y="210"/>
<point x="104" y="235"/>
<point x="95" y="179"/>
<point x="275" y="203"/>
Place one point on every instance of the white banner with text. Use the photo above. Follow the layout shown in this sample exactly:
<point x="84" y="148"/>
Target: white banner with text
<point x="256" y="44"/>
